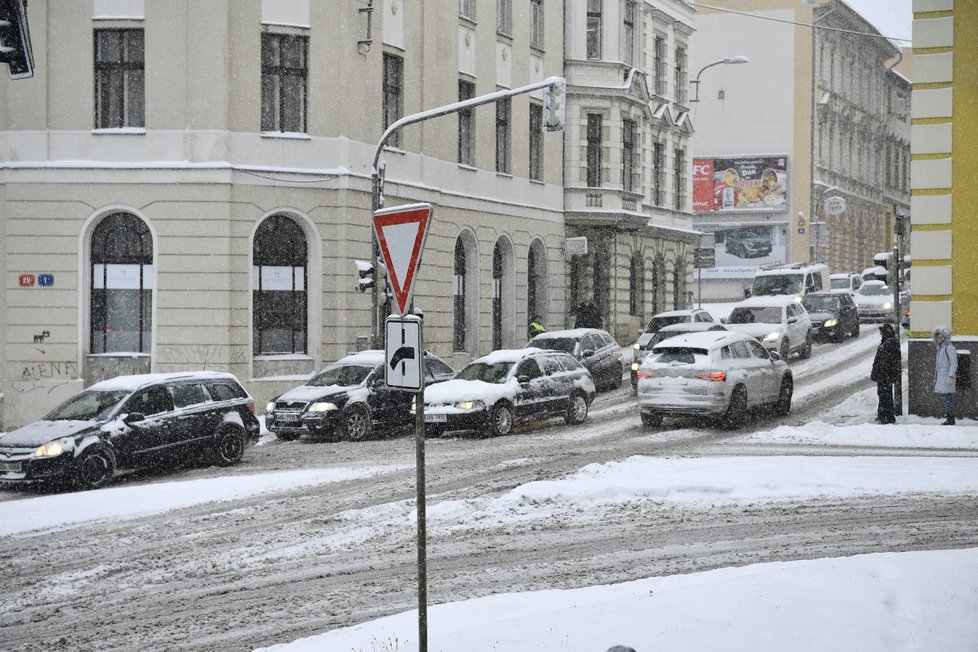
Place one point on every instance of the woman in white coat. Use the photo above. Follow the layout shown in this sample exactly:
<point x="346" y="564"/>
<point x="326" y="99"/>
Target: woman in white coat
<point x="945" y="370"/>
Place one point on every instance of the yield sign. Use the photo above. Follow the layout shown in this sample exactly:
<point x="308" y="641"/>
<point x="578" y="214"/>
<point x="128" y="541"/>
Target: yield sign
<point x="401" y="233"/>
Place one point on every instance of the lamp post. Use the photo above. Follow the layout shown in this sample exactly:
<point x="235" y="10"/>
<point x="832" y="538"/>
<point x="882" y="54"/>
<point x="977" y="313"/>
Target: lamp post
<point x="722" y="62"/>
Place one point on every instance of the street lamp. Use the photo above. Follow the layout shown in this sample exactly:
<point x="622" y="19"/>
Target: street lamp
<point x="722" y="62"/>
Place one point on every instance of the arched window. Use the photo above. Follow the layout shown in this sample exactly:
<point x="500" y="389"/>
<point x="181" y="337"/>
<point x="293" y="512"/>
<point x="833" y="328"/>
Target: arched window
<point x="658" y="285"/>
<point x="497" y="298"/>
<point x="636" y="285"/>
<point x="536" y="281"/>
<point x="279" y="259"/>
<point x="458" y="294"/>
<point x="679" y="285"/>
<point x="122" y="285"/>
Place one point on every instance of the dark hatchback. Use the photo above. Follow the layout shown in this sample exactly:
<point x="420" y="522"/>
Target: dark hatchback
<point x="834" y="315"/>
<point x="596" y="349"/>
<point x="132" y="422"/>
<point x="348" y="399"/>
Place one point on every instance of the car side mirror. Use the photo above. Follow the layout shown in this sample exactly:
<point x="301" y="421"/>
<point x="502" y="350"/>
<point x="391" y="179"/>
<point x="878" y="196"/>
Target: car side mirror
<point x="134" y="417"/>
<point x="522" y="380"/>
<point x="587" y="353"/>
<point x="775" y="356"/>
<point x="792" y="320"/>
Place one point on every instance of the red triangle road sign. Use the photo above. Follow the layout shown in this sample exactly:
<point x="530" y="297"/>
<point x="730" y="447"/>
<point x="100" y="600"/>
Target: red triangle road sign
<point x="401" y="233"/>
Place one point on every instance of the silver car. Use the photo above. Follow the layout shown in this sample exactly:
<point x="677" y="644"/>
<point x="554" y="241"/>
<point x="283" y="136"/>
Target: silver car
<point x="715" y="375"/>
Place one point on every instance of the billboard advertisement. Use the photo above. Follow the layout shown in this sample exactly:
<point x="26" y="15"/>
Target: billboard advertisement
<point x="740" y="184"/>
<point x="741" y="248"/>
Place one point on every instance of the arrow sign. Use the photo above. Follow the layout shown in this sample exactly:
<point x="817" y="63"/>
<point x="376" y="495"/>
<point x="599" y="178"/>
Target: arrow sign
<point x="401" y="233"/>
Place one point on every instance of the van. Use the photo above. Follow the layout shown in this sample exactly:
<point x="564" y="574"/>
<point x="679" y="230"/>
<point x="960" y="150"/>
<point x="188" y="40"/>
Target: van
<point x="796" y="279"/>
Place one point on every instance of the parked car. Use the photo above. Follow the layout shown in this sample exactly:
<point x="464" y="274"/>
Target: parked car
<point x="874" y="302"/>
<point x="747" y="244"/>
<point x="780" y="323"/>
<point x="596" y="349"/>
<point x="846" y="281"/>
<point x="493" y="393"/>
<point x="666" y="318"/>
<point x="672" y="330"/>
<point x="131" y="422"/>
<point x="348" y="399"/>
<point x="834" y="315"/>
<point x="715" y="375"/>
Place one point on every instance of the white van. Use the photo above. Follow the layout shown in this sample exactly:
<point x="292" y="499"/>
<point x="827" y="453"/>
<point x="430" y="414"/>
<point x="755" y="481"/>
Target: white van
<point x="796" y="279"/>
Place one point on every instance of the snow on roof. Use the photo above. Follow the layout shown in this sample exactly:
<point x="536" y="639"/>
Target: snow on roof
<point x="568" y="332"/>
<point x="693" y="326"/>
<point x="132" y="383"/>
<point x="761" y="301"/>
<point x="705" y="340"/>
<point x="369" y="357"/>
<point x="507" y="355"/>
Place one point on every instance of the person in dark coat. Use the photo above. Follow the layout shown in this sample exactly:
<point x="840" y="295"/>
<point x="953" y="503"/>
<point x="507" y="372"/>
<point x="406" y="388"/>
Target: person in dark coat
<point x="587" y="315"/>
<point x="945" y="371"/>
<point x="886" y="370"/>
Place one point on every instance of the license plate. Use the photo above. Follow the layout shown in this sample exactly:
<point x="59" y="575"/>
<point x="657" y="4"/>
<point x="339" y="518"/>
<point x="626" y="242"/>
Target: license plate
<point x="435" y="418"/>
<point x="288" y="418"/>
<point x="10" y="467"/>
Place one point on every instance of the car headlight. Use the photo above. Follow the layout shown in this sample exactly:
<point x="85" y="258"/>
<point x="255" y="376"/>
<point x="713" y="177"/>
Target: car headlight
<point x="414" y="404"/>
<point x="322" y="407"/>
<point x="770" y="337"/>
<point x="470" y="405"/>
<point x="636" y="346"/>
<point x="52" y="448"/>
<point x="636" y="365"/>
<point x="830" y="323"/>
<point x="888" y="305"/>
<point x="270" y="408"/>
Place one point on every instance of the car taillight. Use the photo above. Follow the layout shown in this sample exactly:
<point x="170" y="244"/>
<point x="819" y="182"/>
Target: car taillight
<point x="642" y="374"/>
<point x="251" y="405"/>
<point x="715" y="376"/>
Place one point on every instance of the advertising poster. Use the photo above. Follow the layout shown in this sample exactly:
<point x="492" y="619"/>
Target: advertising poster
<point x="741" y="248"/>
<point x="741" y="184"/>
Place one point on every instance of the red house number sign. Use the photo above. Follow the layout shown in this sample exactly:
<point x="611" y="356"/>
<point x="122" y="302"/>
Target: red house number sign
<point x="26" y="280"/>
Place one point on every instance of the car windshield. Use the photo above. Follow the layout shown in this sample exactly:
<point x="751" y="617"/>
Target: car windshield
<point x="677" y="354"/>
<point x="814" y="303"/>
<point x="88" y="406"/>
<point x="762" y="315"/>
<point x="873" y="290"/>
<point x="657" y="323"/>
<point x="840" y="284"/>
<point x="565" y="344"/>
<point x="495" y="372"/>
<point x="344" y="375"/>
<point x="776" y="284"/>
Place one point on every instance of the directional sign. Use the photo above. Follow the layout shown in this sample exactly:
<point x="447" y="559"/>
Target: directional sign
<point x="402" y="347"/>
<point x="401" y="233"/>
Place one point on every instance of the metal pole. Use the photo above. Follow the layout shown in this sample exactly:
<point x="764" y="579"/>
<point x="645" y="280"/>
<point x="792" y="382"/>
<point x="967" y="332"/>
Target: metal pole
<point x="422" y="512"/>
<point x="898" y="385"/>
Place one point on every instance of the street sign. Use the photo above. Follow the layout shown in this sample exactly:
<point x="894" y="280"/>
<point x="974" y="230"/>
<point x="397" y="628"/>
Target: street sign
<point x="704" y="258"/>
<point x="403" y="366"/>
<point x="401" y="234"/>
<point x="834" y="206"/>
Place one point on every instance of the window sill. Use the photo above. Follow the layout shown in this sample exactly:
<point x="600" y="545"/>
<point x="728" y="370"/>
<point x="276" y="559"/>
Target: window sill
<point x="287" y="135"/>
<point x="283" y="356"/>
<point x="123" y="131"/>
<point x="505" y="175"/>
<point x="467" y="167"/>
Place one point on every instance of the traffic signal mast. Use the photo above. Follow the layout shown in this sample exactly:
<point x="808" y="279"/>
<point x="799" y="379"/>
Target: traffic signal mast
<point x="15" y="39"/>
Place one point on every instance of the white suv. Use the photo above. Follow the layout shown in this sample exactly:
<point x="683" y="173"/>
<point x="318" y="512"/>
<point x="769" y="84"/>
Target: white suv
<point x="780" y="323"/>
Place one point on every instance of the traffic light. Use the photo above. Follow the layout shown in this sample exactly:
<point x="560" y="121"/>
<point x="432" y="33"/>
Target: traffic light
<point x="15" y="39"/>
<point x="365" y="271"/>
<point x="554" y="101"/>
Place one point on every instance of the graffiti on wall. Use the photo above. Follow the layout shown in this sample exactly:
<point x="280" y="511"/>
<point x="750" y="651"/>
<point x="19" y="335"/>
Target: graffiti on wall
<point x="32" y="377"/>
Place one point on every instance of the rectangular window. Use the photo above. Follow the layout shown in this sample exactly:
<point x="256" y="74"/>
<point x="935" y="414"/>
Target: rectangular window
<point x="536" y="24"/>
<point x="504" y="17"/>
<point x="627" y="154"/>
<point x="658" y="173"/>
<point x="536" y="141"/>
<point x="503" y="108"/>
<point x="593" y="29"/>
<point x="681" y="75"/>
<point x="283" y="82"/>
<point x="466" y="9"/>
<point x="680" y="178"/>
<point x="466" y="124"/>
<point x="393" y="94"/>
<point x="593" y="150"/>
<point x="119" y="78"/>
<point x="628" y="44"/>
<point x="659" y="68"/>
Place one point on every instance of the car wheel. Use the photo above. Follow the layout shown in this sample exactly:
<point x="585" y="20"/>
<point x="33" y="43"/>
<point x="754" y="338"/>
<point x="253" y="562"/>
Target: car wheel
<point x="616" y="381"/>
<point x="230" y="447"/>
<point x="500" y="420"/>
<point x="288" y="436"/>
<point x="577" y="410"/>
<point x="737" y="410"/>
<point x="783" y="405"/>
<point x="94" y="468"/>
<point x="785" y="349"/>
<point x="356" y="423"/>
<point x="651" y="419"/>
<point x="855" y="330"/>
<point x="806" y="351"/>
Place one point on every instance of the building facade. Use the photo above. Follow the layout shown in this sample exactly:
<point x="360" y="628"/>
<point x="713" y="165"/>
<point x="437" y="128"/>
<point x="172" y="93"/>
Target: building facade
<point x="804" y="120"/>
<point x="188" y="185"/>
<point x="626" y="159"/>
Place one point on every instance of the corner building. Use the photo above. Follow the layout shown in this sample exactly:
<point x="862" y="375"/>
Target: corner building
<point x="186" y="185"/>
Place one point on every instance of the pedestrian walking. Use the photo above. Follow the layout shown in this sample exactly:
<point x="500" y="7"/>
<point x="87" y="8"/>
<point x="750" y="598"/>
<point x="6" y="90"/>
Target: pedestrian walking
<point x="945" y="371"/>
<point x="587" y="315"/>
<point x="535" y="327"/>
<point x="886" y="370"/>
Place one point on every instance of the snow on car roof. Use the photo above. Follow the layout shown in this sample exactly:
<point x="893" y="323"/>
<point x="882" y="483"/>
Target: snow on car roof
<point x="370" y="357"/>
<point x="674" y="313"/>
<point x="569" y="332"/>
<point x="132" y="383"/>
<point x="705" y="340"/>
<point x="507" y="355"/>
<point x="767" y="300"/>
<point x="693" y="326"/>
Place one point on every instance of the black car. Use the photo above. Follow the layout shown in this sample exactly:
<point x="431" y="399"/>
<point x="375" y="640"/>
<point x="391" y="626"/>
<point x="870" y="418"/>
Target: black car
<point x="493" y="393"/>
<point x="348" y="399"/>
<point x="834" y="315"/>
<point x="132" y="422"/>
<point x="596" y="349"/>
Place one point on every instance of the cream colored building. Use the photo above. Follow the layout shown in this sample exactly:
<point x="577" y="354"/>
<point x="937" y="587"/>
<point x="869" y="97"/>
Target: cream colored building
<point x="186" y="185"/>
<point x="815" y="97"/>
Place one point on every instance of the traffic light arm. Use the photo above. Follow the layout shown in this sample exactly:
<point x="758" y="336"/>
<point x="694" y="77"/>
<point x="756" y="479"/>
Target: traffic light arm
<point x="15" y="39"/>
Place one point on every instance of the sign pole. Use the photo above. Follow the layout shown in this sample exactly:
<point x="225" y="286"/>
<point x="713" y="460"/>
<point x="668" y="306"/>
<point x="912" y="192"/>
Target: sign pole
<point x="422" y="513"/>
